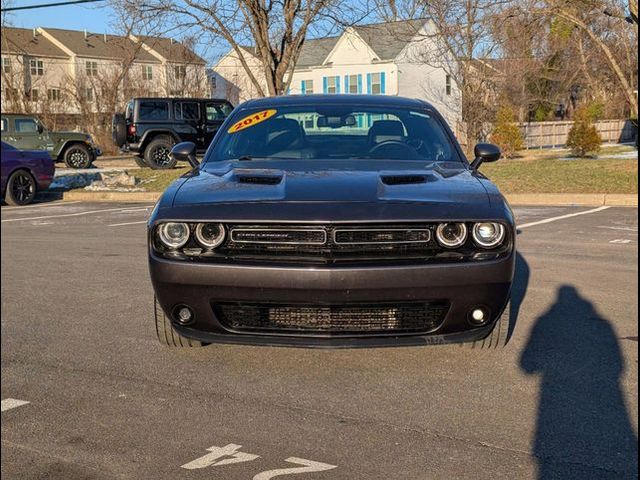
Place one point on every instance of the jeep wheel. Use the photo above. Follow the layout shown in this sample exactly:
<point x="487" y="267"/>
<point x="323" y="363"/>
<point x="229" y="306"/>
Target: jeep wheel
<point x="77" y="156"/>
<point x="157" y="154"/>
<point x="21" y="188"/>
<point x="499" y="336"/>
<point x="165" y="332"/>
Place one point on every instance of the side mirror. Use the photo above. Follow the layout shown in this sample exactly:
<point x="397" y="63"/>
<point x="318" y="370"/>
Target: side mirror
<point x="40" y="129"/>
<point x="185" y="152"/>
<point x="485" y="152"/>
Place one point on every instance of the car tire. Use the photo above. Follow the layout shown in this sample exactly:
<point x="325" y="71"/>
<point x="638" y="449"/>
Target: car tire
<point x="156" y="155"/>
<point x="78" y="156"/>
<point x="166" y="333"/>
<point x="499" y="336"/>
<point x="21" y="188"/>
<point x="140" y="161"/>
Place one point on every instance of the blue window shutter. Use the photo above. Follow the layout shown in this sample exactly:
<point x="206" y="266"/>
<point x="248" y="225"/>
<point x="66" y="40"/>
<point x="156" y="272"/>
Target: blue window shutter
<point x="325" y="84"/>
<point x="360" y="83"/>
<point x="383" y="83"/>
<point x="346" y="84"/>
<point x="303" y="87"/>
<point x="369" y="82"/>
<point x="337" y="80"/>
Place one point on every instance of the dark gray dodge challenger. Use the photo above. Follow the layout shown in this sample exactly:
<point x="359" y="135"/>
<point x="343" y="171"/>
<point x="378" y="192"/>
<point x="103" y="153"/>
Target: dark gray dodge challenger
<point x="332" y="221"/>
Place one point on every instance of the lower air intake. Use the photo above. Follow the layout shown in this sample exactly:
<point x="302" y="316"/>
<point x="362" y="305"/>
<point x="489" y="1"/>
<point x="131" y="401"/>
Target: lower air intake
<point x="343" y="319"/>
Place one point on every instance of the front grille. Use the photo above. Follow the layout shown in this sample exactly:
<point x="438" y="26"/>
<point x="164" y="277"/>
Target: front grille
<point x="330" y="243"/>
<point x="336" y="319"/>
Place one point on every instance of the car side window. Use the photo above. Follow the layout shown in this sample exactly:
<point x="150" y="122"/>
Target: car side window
<point x="4" y="125"/>
<point x="186" y="111"/>
<point x="217" y="111"/>
<point x="154" y="111"/>
<point x="26" y="125"/>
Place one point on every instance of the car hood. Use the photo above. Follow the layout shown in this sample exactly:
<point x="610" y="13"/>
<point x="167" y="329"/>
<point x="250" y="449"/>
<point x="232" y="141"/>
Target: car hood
<point x="332" y="182"/>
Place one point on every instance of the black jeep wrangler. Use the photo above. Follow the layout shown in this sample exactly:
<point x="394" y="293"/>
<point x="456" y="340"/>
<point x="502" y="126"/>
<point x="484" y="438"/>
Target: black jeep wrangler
<point x="151" y="126"/>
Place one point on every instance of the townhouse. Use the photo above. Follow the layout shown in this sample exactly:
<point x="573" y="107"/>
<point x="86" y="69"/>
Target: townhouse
<point x="69" y="72"/>
<point x="389" y="58"/>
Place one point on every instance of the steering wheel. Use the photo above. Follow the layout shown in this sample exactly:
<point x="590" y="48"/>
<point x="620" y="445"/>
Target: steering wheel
<point x="393" y="149"/>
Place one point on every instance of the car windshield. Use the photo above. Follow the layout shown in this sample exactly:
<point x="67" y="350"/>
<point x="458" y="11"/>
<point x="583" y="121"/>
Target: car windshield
<point x="334" y="132"/>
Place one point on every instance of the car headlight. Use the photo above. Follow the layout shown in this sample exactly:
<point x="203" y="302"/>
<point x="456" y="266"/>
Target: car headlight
<point x="451" y="235"/>
<point x="488" y="234"/>
<point x="173" y="234"/>
<point x="210" y="235"/>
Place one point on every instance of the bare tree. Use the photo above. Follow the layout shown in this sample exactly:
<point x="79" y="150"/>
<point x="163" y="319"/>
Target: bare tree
<point x="275" y="28"/>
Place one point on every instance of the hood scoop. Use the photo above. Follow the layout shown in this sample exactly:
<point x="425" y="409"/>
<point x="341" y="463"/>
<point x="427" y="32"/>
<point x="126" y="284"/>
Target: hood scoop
<point x="403" y="179"/>
<point x="258" y="179"/>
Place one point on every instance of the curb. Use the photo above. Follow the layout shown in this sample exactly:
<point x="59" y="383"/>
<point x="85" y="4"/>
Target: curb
<point x="559" y="199"/>
<point x="568" y="199"/>
<point x="87" y="196"/>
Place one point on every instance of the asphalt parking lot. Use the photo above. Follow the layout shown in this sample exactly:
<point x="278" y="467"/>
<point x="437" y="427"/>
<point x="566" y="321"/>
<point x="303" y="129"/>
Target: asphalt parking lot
<point x="105" y="400"/>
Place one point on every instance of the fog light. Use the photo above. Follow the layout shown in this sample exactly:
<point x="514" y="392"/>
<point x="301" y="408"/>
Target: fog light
<point x="183" y="315"/>
<point x="478" y="316"/>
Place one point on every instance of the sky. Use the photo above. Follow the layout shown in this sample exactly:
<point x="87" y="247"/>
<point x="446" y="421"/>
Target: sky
<point x="96" y="19"/>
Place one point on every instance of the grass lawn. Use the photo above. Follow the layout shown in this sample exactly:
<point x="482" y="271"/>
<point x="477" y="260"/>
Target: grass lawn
<point x="550" y="173"/>
<point x="535" y="172"/>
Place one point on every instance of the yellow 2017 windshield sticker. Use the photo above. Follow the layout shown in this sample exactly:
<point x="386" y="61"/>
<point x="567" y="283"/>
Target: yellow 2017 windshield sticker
<point x="252" y="120"/>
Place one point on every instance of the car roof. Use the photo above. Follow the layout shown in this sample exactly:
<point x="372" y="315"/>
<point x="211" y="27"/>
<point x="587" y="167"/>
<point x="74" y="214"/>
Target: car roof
<point x="344" y="99"/>
<point x="180" y="99"/>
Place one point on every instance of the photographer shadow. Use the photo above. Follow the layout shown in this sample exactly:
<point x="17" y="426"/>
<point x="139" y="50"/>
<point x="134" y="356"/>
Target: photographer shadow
<point x="583" y="427"/>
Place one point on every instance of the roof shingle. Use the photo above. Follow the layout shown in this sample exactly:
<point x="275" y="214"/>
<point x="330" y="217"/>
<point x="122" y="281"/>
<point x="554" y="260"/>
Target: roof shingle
<point x="22" y="41"/>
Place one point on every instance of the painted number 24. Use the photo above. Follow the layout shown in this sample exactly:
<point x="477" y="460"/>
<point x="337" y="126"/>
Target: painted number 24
<point x="229" y="454"/>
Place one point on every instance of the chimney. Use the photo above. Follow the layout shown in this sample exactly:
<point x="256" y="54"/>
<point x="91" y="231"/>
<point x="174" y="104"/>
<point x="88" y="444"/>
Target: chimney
<point x="105" y="37"/>
<point x="86" y="34"/>
<point x="35" y="32"/>
<point x="171" y="41"/>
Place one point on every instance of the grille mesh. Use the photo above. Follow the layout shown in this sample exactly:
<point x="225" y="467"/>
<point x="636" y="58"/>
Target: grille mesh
<point x="342" y="319"/>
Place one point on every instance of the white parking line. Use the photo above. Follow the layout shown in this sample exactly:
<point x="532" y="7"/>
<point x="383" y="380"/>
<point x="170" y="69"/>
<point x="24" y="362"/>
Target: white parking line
<point x="77" y="214"/>
<point x="40" y="205"/>
<point x="127" y="223"/>
<point x="562" y="217"/>
<point x="9" y="403"/>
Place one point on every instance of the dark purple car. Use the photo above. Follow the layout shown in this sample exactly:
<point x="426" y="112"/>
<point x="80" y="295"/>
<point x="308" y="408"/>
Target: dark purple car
<point x="24" y="173"/>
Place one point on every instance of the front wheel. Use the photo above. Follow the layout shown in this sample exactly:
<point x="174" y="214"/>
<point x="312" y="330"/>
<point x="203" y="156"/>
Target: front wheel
<point x="78" y="156"/>
<point x="21" y="188"/>
<point x="166" y="333"/>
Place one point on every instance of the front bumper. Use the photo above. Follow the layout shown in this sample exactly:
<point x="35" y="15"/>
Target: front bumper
<point x="462" y="286"/>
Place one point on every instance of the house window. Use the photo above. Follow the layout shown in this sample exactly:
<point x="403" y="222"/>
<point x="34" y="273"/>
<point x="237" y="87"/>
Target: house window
<point x="307" y="87"/>
<point x="147" y="72"/>
<point x="36" y="67"/>
<point x="331" y="85"/>
<point x="88" y="94"/>
<point x="376" y="84"/>
<point x="91" y="68"/>
<point x="448" y="85"/>
<point x="354" y="84"/>
<point x="33" y="95"/>
<point x="180" y="72"/>
<point x="6" y="65"/>
<point x="54" y="95"/>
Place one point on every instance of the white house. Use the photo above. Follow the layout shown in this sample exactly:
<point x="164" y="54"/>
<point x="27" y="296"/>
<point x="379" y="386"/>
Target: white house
<point x="380" y="59"/>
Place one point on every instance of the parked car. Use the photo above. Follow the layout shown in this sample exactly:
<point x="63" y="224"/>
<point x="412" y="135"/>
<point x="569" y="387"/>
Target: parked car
<point x="332" y="220"/>
<point x="24" y="173"/>
<point x="26" y="132"/>
<point x="149" y="127"/>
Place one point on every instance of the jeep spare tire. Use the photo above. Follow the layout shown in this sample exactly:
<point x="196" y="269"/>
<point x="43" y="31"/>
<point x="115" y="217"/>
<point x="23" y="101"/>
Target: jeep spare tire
<point x="158" y="153"/>
<point x="119" y="129"/>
